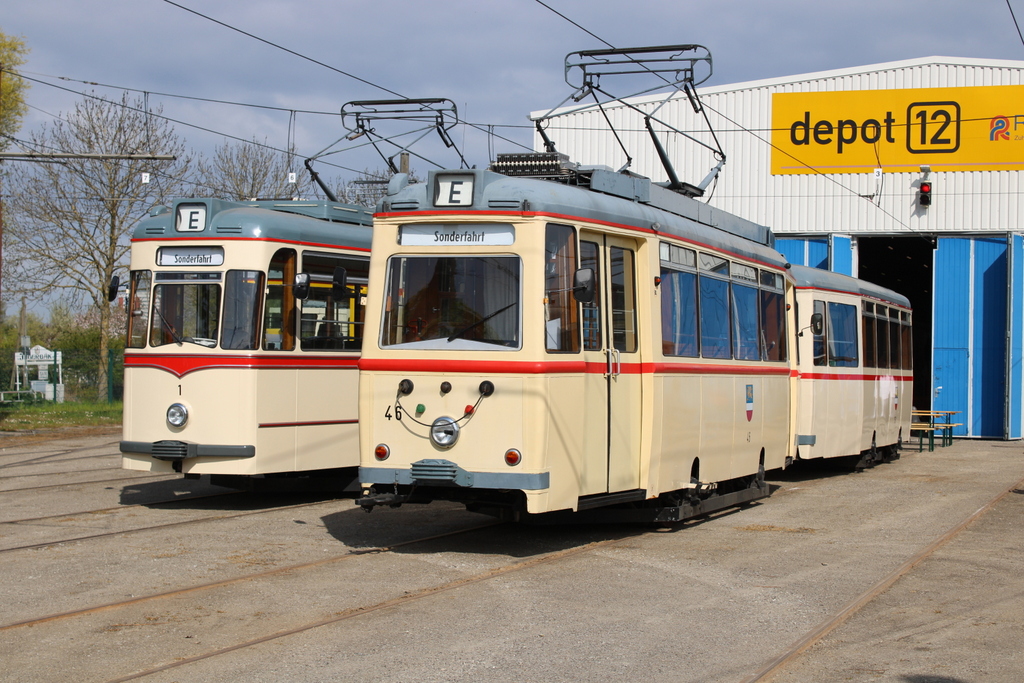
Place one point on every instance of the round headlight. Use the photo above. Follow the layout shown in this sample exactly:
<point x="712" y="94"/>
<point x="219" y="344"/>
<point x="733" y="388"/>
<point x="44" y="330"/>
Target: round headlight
<point x="177" y="415"/>
<point x="444" y="432"/>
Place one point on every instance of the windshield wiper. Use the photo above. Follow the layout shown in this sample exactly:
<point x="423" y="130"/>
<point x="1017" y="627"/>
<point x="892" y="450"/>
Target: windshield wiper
<point x="481" y="321"/>
<point x="174" y="334"/>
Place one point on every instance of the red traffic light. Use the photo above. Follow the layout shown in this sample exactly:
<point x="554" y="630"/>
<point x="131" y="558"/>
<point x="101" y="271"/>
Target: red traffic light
<point x="924" y="196"/>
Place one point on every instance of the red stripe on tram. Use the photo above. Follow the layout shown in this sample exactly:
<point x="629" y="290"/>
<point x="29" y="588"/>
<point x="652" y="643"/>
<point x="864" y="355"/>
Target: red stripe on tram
<point x="180" y="365"/>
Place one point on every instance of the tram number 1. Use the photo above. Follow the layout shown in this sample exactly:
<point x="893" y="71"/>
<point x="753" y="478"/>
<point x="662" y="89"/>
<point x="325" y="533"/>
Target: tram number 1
<point x="397" y="415"/>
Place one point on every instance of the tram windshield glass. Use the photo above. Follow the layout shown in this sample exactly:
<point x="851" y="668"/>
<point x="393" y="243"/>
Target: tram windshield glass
<point x="445" y="302"/>
<point x="185" y="309"/>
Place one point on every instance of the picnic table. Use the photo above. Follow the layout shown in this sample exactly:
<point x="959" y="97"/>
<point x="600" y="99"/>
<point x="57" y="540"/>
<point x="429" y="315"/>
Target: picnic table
<point x="927" y="422"/>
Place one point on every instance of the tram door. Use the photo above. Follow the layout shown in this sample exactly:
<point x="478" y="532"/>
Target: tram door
<point x="612" y="382"/>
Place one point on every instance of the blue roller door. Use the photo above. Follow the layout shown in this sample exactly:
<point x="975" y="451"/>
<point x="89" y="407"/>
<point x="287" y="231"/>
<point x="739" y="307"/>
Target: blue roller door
<point x="969" y="334"/>
<point x="1015" y="313"/>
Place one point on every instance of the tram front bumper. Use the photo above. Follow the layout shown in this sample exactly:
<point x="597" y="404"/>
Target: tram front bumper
<point x="179" y="450"/>
<point x="439" y="472"/>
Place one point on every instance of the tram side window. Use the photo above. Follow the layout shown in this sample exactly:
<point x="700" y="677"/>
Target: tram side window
<point x="715" y="339"/>
<point x="678" y="301"/>
<point x="333" y="321"/>
<point x="868" y="335"/>
<point x="623" y="299"/>
<point x="882" y="336"/>
<point x="561" y="312"/>
<point x="138" y="308"/>
<point x="773" y="317"/>
<point x="895" y="356"/>
<point x="243" y="291"/>
<point x="745" y="320"/>
<point x="908" y="347"/>
<point x="842" y="345"/>
<point x="591" y="312"/>
<point x="279" y="316"/>
<point x="820" y="340"/>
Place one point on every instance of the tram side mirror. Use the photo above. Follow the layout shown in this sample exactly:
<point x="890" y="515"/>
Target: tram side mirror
<point x="583" y="285"/>
<point x="115" y="282"/>
<point x="300" y="288"/>
<point x="817" y="323"/>
<point x="340" y="283"/>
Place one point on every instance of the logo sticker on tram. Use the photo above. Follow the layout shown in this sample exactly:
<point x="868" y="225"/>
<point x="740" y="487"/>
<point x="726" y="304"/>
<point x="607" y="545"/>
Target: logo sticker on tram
<point x="750" y="402"/>
<point x="453" y="190"/>
<point x="190" y="218"/>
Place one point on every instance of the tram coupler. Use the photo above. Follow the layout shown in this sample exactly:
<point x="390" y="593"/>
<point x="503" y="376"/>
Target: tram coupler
<point x="370" y="499"/>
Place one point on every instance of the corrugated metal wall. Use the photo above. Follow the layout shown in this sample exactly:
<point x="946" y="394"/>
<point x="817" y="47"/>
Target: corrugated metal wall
<point x="741" y="116"/>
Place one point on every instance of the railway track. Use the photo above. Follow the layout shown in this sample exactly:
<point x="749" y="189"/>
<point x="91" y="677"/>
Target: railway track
<point x="332" y="577"/>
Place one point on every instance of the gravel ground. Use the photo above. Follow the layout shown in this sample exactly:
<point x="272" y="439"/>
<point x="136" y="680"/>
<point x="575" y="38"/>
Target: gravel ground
<point x="709" y="601"/>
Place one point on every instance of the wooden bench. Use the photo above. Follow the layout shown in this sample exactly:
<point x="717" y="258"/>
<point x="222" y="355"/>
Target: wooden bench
<point x="923" y="428"/>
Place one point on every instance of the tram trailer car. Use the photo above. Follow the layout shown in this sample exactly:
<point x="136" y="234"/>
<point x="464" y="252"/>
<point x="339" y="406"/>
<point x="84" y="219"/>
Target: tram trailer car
<point x="855" y="368"/>
<point x="599" y="343"/>
<point x="227" y="373"/>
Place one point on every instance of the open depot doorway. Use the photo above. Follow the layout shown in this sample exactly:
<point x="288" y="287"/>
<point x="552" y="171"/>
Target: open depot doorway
<point x="905" y="265"/>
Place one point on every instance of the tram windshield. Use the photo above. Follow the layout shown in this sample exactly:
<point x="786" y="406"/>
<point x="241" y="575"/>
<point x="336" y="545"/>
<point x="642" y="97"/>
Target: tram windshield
<point x="185" y="309"/>
<point x="453" y="302"/>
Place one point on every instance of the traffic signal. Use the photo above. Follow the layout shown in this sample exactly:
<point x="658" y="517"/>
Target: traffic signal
<point x="924" y="193"/>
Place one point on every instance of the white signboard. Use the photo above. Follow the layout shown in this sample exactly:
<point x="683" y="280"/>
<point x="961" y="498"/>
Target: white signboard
<point x="190" y="218"/>
<point x="453" y="190"/>
<point x="190" y="256"/>
<point x="38" y="355"/>
<point x="463" y="234"/>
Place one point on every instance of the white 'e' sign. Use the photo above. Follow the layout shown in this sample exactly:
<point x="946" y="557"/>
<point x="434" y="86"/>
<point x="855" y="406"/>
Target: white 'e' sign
<point x="190" y="218"/>
<point x="453" y="190"/>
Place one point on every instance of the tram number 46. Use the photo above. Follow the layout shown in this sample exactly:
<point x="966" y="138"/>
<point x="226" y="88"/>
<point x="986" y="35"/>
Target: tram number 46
<point x="397" y="413"/>
<point x="933" y="127"/>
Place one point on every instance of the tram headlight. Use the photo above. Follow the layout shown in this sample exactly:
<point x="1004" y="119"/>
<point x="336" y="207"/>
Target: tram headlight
<point x="177" y="415"/>
<point x="444" y="432"/>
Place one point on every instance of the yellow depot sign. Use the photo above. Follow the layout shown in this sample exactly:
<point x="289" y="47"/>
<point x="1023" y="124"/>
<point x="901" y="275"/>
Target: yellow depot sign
<point x="857" y="131"/>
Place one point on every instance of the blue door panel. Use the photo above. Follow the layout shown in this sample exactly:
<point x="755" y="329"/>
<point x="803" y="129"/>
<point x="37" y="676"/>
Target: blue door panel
<point x="989" y="321"/>
<point x="950" y="359"/>
<point x="842" y="254"/>
<point x="1014" y="366"/>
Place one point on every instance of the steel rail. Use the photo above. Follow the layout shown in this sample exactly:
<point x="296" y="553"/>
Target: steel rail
<point x="386" y="604"/>
<point x="829" y="625"/>
<point x="238" y="579"/>
<point x="116" y="508"/>
<point x="169" y="525"/>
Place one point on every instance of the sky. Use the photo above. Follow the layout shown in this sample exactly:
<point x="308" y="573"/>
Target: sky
<point x="497" y="60"/>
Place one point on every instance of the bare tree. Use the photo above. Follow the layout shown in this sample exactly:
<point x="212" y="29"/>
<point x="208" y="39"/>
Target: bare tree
<point x="369" y="187"/>
<point x="252" y="170"/>
<point x="69" y="223"/>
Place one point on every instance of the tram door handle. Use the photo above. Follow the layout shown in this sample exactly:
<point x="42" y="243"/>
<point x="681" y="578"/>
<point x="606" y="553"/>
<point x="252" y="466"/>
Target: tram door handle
<point x="614" y="363"/>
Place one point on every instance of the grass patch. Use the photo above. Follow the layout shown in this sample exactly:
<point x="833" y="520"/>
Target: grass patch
<point x="47" y="415"/>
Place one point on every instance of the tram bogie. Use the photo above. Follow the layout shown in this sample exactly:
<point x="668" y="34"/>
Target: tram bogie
<point x="227" y="372"/>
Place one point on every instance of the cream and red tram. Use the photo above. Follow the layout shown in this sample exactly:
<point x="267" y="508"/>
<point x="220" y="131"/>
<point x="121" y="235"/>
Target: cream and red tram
<point x="599" y="343"/>
<point x="242" y="349"/>
<point x="854" y="366"/>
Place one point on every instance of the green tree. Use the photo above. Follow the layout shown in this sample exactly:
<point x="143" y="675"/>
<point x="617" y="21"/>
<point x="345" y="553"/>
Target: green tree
<point x="12" y="86"/>
<point x="68" y="224"/>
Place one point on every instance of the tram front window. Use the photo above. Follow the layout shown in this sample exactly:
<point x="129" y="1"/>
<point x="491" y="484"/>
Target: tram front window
<point x="453" y="302"/>
<point x="185" y="309"/>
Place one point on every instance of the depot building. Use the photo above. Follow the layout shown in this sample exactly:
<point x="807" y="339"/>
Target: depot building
<point x="907" y="174"/>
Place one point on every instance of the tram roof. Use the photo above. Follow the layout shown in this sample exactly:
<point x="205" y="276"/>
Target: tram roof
<point x="816" y="278"/>
<point x="294" y="221"/>
<point x="599" y="195"/>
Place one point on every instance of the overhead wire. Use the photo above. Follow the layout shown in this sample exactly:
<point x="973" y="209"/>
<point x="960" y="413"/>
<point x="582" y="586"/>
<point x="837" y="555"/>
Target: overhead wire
<point x="743" y="128"/>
